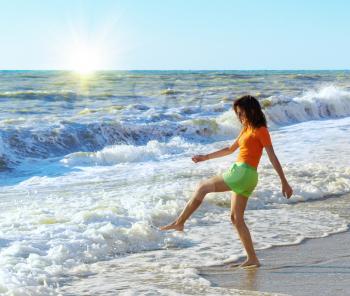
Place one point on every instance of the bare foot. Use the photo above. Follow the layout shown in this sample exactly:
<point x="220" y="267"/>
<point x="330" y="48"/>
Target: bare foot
<point x="178" y="227"/>
<point x="233" y="265"/>
<point x="250" y="263"/>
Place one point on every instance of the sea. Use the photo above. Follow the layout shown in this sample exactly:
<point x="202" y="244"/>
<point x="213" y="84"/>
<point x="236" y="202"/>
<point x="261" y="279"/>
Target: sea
<point x="92" y="165"/>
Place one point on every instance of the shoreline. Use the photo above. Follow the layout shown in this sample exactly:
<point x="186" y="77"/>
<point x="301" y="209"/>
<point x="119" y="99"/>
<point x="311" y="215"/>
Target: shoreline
<point x="315" y="266"/>
<point x="293" y="269"/>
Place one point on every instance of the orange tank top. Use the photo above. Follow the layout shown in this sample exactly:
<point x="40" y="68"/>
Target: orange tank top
<point x="251" y="143"/>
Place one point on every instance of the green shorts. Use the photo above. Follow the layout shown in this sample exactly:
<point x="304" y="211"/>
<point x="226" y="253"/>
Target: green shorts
<point x="242" y="178"/>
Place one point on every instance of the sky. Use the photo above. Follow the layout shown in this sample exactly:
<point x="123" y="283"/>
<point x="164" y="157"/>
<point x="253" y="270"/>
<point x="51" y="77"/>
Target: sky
<point x="174" y="34"/>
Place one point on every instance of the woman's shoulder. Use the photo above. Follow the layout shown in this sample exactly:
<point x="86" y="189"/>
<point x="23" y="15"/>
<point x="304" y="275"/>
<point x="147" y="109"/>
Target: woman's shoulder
<point x="262" y="128"/>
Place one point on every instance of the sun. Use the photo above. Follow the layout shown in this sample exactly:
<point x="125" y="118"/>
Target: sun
<point x="84" y="59"/>
<point x="84" y="52"/>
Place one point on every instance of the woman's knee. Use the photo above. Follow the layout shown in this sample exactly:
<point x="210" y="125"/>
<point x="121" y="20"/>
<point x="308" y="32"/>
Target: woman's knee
<point x="233" y="219"/>
<point x="200" y="192"/>
<point x="237" y="221"/>
<point x="203" y="187"/>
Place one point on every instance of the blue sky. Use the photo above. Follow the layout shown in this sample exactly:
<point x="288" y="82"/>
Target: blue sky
<point x="176" y="34"/>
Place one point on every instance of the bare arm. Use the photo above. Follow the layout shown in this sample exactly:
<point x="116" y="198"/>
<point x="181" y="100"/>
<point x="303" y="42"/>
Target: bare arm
<point x="286" y="189"/>
<point x="219" y="153"/>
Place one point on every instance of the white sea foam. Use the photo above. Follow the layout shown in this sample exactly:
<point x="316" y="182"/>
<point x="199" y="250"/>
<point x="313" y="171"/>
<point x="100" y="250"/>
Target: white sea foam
<point x="110" y="155"/>
<point x="55" y="241"/>
<point x="154" y="270"/>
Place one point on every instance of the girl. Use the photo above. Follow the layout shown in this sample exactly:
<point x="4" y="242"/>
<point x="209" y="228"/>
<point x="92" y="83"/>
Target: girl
<point x="241" y="177"/>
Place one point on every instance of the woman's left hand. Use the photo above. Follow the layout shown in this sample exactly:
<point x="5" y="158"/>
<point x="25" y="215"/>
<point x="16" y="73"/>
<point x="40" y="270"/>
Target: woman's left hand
<point x="287" y="191"/>
<point x="197" y="158"/>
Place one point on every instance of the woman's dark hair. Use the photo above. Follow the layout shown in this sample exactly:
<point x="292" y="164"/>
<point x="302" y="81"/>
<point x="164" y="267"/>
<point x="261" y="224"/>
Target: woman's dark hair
<point x="252" y="110"/>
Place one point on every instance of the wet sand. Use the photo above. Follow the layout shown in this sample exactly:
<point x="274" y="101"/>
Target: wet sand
<point x="319" y="266"/>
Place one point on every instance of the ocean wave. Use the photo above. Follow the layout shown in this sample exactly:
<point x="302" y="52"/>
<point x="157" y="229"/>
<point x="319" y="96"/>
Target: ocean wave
<point x="57" y="95"/>
<point x="111" y="155"/>
<point x="17" y="144"/>
<point x="39" y="94"/>
<point x="307" y="76"/>
<point x="326" y="102"/>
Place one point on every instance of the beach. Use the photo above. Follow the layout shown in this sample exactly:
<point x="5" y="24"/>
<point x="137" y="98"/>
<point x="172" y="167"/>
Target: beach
<point x="305" y="269"/>
<point x="313" y="267"/>
<point x="92" y="166"/>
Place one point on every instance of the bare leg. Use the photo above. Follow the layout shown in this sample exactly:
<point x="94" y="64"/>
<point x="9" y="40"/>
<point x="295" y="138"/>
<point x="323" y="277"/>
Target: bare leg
<point x="214" y="184"/>
<point x="238" y="205"/>
<point x="190" y="207"/>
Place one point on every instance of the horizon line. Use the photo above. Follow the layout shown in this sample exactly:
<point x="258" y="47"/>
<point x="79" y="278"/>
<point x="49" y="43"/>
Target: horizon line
<point x="106" y="70"/>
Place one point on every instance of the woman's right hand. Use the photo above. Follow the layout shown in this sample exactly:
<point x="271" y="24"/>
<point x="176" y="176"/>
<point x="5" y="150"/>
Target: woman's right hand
<point x="197" y="158"/>
<point x="287" y="191"/>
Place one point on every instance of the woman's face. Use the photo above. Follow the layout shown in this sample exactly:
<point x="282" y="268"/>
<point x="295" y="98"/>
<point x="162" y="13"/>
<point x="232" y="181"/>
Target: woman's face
<point x="241" y="115"/>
